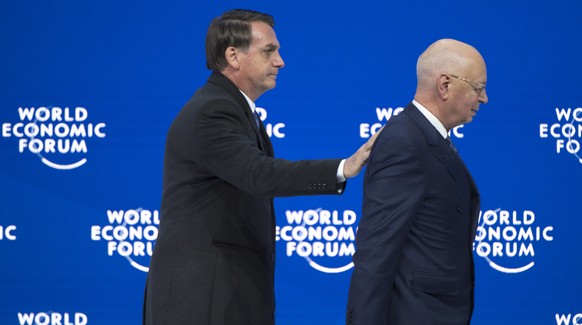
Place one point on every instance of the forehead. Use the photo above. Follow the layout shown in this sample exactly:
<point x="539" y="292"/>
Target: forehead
<point x="263" y="35"/>
<point x="476" y="69"/>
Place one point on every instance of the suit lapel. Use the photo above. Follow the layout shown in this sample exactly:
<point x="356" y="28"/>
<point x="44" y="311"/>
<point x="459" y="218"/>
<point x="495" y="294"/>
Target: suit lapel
<point x="454" y="164"/>
<point x="267" y="141"/>
<point x="439" y="147"/>
<point x="261" y="134"/>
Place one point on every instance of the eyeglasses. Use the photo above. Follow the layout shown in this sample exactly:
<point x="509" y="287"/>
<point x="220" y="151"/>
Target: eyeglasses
<point x="479" y="87"/>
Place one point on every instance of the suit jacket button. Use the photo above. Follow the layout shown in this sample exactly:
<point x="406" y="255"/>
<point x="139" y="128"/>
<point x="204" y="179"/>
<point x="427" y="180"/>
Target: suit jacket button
<point x="460" y="210"/>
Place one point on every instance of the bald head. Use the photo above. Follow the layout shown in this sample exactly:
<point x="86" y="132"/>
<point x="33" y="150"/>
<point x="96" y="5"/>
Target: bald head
<point x="451" y="77"/>
<point x="445" y="56"/>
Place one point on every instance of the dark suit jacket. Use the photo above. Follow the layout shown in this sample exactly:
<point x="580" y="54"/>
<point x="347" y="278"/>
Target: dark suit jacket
<point x="213" y="261"/>
<point x="414" y="260"/>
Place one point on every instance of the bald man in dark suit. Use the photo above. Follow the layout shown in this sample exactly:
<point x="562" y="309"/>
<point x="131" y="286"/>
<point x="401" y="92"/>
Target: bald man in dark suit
<point x="414" y="260"/>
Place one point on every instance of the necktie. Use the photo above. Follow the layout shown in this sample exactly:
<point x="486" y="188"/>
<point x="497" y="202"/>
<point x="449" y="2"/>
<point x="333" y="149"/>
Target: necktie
<point x="452" y="146"/>
<point x="257" y="119"/>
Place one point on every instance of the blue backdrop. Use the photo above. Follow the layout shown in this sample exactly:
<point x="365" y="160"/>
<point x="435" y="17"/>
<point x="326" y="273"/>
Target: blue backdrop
<point x="88" y="90"/>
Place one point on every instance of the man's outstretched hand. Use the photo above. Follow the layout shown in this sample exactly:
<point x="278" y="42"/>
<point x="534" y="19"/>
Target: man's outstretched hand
<point x="359" y="159"/>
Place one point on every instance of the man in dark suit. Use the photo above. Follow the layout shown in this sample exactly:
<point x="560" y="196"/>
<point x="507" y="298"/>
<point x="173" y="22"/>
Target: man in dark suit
<point x="213" y="261"/>
<point x="414" y="260"/>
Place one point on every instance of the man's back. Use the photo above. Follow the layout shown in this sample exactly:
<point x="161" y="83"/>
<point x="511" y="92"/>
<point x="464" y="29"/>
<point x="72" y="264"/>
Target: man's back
<point x="204" y="269"/>
<point x="413" y="263"/>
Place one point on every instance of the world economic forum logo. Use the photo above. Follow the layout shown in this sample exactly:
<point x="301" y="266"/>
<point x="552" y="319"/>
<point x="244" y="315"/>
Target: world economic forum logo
<point x="130" y="234"/>
<point x="274" y="129"/>
<point x="507" y="239"/>
<point x="324" y="238"/>
<point x="569" y="319"/>
<point x="52" y="318"/>
<point x="58" y="136"/>
<point x="8" y="232"/>
<point x="566" y="131"/>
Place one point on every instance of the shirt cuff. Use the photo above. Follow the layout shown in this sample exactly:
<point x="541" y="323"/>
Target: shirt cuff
<point x="340" y="172"/>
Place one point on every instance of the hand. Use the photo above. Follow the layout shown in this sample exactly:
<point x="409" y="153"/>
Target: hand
<point x="359" y="159"/>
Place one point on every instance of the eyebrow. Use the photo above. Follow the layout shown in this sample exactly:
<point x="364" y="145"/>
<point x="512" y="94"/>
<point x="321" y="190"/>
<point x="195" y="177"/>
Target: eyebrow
<point x="270" y="47"/>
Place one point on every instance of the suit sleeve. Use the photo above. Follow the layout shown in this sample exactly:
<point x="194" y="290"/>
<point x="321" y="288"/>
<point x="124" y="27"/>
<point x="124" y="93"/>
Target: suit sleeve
<point x="217" y="139"/>
<point x="393" y="190"/>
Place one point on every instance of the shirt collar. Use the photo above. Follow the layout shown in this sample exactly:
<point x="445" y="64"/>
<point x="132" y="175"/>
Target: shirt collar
<point x="431" y="118"/>
<point x="251" y="103"/>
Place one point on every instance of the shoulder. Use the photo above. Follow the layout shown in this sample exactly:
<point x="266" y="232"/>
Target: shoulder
<point x="210" y="107"/>
<point x="208" y="100"/>
<point x="401" y="131"/>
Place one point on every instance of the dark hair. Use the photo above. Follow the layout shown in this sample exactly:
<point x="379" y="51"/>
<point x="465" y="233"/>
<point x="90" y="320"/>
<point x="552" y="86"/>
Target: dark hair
<point x="233" y="28"/>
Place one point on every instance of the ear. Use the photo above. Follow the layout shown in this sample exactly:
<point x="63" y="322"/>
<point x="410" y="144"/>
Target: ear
<point x="232" y="58"/>
<point x="443" y="84"/>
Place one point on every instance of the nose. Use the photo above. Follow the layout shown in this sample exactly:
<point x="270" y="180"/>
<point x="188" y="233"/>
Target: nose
<point x="278" y="61"/>
<point x="483" y="98"/>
